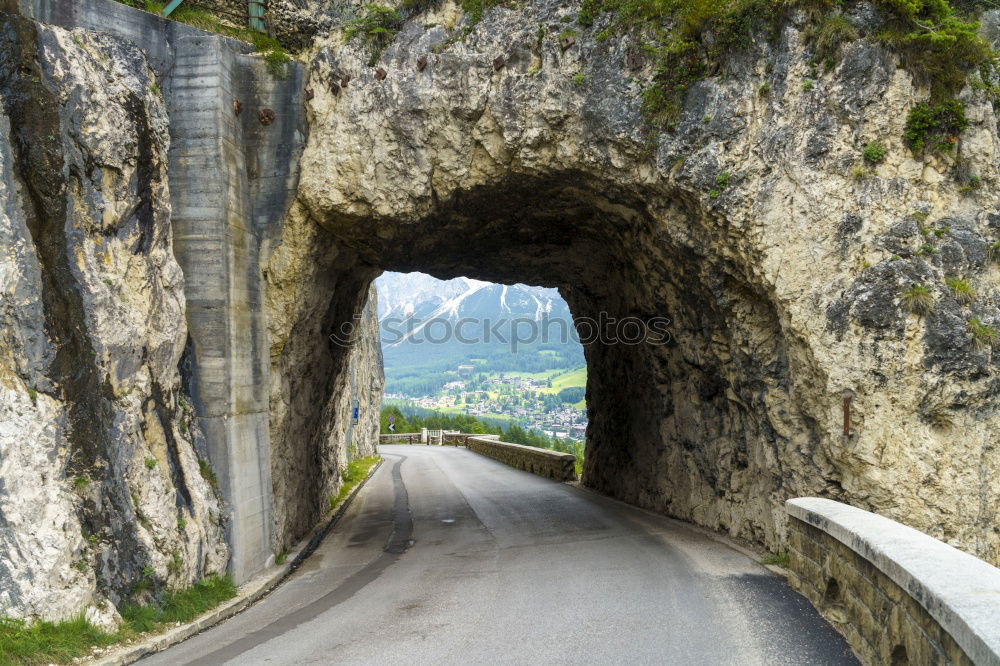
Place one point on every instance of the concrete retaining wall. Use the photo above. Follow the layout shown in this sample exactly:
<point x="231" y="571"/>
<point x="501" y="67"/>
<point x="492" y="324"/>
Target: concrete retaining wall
<point x="897" y="595"/>
<point x="231" y="181"/>
<point x="550" y="464"/>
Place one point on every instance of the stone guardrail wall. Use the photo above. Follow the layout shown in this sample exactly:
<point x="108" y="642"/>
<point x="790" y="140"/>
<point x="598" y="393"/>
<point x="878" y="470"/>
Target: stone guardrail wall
<point x="400" y="438"/>
<point x="447" y="439"/>
<point x="897" y="595"/>
<point x="550" y="464"/>
<point x="462" y="439"/>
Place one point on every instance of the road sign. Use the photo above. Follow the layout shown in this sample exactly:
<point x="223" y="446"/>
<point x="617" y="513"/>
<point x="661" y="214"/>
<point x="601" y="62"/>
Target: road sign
<point x="392" y="427"/>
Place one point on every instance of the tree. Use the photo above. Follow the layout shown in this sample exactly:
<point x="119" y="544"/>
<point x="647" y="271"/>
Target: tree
<point x="572" y="394"/>
<point x="400" y="420"/>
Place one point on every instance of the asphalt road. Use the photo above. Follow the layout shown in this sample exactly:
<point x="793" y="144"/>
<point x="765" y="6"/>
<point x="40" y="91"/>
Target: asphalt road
<point x="447" y="557"/>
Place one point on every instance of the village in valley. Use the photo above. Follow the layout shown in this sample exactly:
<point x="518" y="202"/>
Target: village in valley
<point x="550" y="402"/>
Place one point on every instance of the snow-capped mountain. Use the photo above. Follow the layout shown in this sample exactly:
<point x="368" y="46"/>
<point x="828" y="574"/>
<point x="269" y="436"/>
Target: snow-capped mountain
<point x="429" y="327"/>
<point x="422" y="297"/>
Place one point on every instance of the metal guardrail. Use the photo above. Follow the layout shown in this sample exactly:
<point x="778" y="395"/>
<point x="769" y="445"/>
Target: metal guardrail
<point x="169" y="9"/>
<point x="256" y="9"/>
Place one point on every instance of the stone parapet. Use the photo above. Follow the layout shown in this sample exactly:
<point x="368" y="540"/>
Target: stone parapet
<point x="550" y="464"/>
<point x="897" y="595"/>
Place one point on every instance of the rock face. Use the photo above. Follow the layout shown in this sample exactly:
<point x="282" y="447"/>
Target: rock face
<point x="753" y="225"/>
<point x="101" y="482"/>
<point x="317" y="372"/>
<point x="139" y="211"/>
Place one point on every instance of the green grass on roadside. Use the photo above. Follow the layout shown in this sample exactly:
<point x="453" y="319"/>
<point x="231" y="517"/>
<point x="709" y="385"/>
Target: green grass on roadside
<point x="356" y="472"/>
<point x="49" y="642"/>
<point x="32" y="643"/>
<point x="181" y="605"/>
<point x="779" y="559"/>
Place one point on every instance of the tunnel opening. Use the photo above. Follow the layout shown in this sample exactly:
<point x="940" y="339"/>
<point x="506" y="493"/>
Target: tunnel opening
<point x="472" y="356"/>
<point x="698" y="427"/>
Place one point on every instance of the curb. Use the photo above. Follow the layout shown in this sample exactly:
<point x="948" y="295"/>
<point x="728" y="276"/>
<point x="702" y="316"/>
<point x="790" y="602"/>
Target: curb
<point x="249" y="593"/>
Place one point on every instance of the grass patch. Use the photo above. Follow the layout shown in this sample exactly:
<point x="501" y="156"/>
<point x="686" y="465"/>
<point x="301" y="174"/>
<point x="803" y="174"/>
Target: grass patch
<point x="150" y="463"/>
<point x="994" y="251"/>
<point x="357" y="470"/>
<point x="31" y="643"/>
<point x="475" y="9"/>
<point x="24" y="642"/>
<point x="208" y="473"/>
<point x="918" y="299"/>
<point x="691" y="40"/>
<point x="827" y="37"/>
<point x="203" y="19"/>
<point x="984" y="337"/>
<point x="175" y="563"/>
<point x="81" y="482"/>
<point x="276" y="60"/>
<point x="778" y="559"/>
<point x="961" y="289"/>
<point x="179" y="606"/>
<point x="376" y="26"/>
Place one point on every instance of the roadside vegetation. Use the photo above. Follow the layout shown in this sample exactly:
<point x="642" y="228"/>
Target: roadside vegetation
<point x="31" y="643"/>
<point x="779" y="559"/>
<point x="356" y="472"/>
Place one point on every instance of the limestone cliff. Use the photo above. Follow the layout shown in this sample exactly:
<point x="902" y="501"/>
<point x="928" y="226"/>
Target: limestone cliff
<point x="514" y="149"/>
<point x="135" y="394"/>
<point x="103" y="481"/>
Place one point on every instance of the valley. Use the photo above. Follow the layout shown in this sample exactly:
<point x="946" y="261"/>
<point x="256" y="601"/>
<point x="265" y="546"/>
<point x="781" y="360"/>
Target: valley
<point x="505" y="354"/>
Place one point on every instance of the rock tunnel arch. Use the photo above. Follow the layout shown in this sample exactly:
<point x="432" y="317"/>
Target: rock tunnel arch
<point x="509" y="157"/>
<point x="702" y="427"/>
<point x="741" y="223"/>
